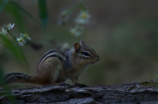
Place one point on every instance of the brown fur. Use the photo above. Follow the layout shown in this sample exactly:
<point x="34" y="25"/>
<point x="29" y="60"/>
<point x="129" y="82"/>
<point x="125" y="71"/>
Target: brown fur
<point x="48" y="69"/>
<point x="54" y="70"/>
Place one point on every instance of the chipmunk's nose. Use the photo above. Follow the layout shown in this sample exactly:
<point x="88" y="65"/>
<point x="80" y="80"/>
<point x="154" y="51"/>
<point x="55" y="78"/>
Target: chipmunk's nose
<point x="97" y="59"/>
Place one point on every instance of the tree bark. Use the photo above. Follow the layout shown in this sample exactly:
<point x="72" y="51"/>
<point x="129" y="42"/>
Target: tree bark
<point x="134" y="93"/>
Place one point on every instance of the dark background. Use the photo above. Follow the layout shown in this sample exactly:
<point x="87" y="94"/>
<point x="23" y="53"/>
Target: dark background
<point x="124" y="33"/>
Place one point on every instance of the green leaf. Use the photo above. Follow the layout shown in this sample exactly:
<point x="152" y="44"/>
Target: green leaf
<point x="24" y="11"/>
<point x="2" y="4"/>
<point x="24" y="58"/>
<point x="82" y="7"/>
<point x="70" y="9"/>
<point x="10" y="96"/>
<point x="16" y="15"/>
<point x="43" y="14"/>
<point x="1" y="75"/>
<point x="7" y="92"/>
<point x="14" y="49"/>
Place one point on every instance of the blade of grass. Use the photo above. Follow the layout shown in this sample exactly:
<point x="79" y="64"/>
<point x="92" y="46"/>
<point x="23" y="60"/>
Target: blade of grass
<point x="2" y="4"/>
<point x="24" y="11"/>
<point x="70" y="9"/>
<point x="17" y="17"/>
<point x="1" y="75"/>
<point x="7" y="92"/>
<point x="82" y="7"/>
<point x="43" y="14"/>
<point x="11" y="47"/>
<point x="22" y="53"/>
<point x="24" y="58"/>
<point x="14" y="49"/>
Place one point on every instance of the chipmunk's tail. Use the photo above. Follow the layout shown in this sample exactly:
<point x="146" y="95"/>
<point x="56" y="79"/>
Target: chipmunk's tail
<point x="18" y="77"/>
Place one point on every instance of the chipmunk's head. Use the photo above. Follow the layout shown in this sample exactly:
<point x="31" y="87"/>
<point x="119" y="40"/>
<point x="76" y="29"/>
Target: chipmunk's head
<point x="85" y="54"/>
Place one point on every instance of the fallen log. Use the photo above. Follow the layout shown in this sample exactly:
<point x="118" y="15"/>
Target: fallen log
<point x="135" y="93"/>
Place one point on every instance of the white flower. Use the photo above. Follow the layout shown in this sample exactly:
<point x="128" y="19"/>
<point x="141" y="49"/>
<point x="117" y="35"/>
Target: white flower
<point x="3" y="32"/>
<point x="9" y="26"/>
<point x="82" y="18"/>
<point x="63" y="17"/>
<point x="25" y="35"/>
<point x="84" y="15"/>
<point x="20" y="41"/>
<point x="80" y="21"/>
<point x="75" y="31"/>
<point x="65" y="46"/>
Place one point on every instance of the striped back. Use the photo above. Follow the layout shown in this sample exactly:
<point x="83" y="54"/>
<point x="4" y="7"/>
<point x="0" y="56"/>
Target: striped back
<point x="51" y="53"/>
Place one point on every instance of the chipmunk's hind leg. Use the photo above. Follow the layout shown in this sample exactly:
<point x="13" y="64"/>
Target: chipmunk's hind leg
<point x="49" y="70"/>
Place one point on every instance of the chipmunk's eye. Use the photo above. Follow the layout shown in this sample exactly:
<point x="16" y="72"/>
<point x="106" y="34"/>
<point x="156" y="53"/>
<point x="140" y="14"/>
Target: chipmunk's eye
<point x="86" y="53"/>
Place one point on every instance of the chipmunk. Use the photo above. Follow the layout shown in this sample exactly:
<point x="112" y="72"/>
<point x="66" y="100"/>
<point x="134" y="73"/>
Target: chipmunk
<point x="55" y="67"/>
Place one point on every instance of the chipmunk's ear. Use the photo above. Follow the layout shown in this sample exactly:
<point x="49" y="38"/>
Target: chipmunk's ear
<point x="77" y="47"/>
<point x="82" y="42"/>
